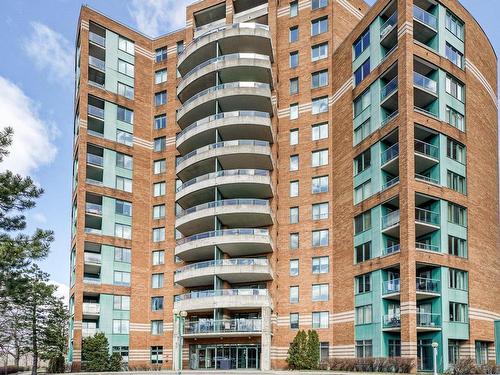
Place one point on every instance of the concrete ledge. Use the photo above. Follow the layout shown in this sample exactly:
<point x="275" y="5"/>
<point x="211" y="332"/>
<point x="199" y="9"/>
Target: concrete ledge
<point x="216" y="302"/>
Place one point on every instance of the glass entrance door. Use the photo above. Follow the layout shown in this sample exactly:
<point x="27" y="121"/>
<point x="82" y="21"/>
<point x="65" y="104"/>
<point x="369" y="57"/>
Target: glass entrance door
<point x="253" y="357"/>
<point x="210" y="358"/>
<point x="242" y="357"/>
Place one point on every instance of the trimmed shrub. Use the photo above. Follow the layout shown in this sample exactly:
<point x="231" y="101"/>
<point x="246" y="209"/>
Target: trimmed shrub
<point x="390" y="364"/>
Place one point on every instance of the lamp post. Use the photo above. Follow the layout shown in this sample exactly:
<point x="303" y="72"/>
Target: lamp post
<point x="179" y="318"/>
<point x="434" y="356"/>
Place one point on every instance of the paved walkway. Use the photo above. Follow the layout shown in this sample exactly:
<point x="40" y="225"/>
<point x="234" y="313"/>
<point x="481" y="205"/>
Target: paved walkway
<point x="229" y="372"/>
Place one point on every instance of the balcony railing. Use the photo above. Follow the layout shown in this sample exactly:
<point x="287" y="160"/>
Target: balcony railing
<point x="425" y="112"/>
<point x="230" y="85"/>
<point x="93" y="37"/>
<point x="388" y="118"/>
<point x="426" y="216"/>
<point x="426" y="285"/>
<point x="95" y="111"/>
<point x="88" y="332"/>
<point x="426" y="149"/>
<point x="92" y="258"/>
<point x="224" y="232"/>
<point x="424" y="17"/>
<point x="223" y="173"/>
<point x="389" y="88"/>
<point x="220" y="293"/>
<point x="223" y="326"/>
<point x="424" y="83"/>
<point x="97" y="63"/>
<point x="391" y="249"/>
<point x="223" y="262"/>
<point x="93" y="208"/>
<point x="429" y="179"/>
<point x="391" y="321"/>
<point x="428" y="320"/>
<point x="91" y="280"/>
<point x="93" y="230"/>
<point x="390" y="219"/>
<point x="91" y="308"/>
<point x="224" y="203"/>
<point x="390" y="183"/>
<point x="388" y="25"/>
<point x="426" y="247"/>
<point x="389" y="154"/>
<point x="391" y="286"/>
<point x="95" y="160"/>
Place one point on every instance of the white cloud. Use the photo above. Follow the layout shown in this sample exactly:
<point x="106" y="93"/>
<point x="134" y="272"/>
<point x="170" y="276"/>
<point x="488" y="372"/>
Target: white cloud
<point x="32" y="144"/>
<point x="62" y="291"/>
<point x="40" y="217"/>
<point x="51" y="52"/>
<point x="157" y="17"/>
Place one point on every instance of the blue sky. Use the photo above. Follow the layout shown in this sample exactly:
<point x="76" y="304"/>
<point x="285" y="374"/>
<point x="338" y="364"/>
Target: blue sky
<point x="36" y="92"/>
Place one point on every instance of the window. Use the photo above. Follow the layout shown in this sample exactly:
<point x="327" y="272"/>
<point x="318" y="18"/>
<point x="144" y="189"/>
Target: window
<point x="362" y="191"/>
<point x="125" y="90"/>
<point x="320" y="211"/>
<point x="319" y="184"/>
<point x="294" y="267"/>
<point x="454" y="25"/>
<point x="394" y="348"/>
<point x="362" y="222"/>
<point x="161" y="76"/>
<point x="361" y="44"/>
<point x="319" y="51"/>
<point x="363" y="283"/>
<point x="122" y="254"/>
<point x="160" y="144"/>
<point x="457" y="279"/>
<point x="180" y="47"/>
<point x="458" y="312"/>
<point x="294" y="215"/>
<point x="324" y="348"/>
<point x="157" y="303"/>
<point x="455" y="88"/>
<point x="361" y="73"/>
<point x="158" y="234"/>
<point x="294" y="8"/>
<point x="319" y="158"/>
<point x="294" y="34"/>
<point x="455" y="150"/>
<point x="362" y="131"/>
<point x="159" y="166"/>
<point x="320" y="265"/>
<point x="457" y="214"/>
<point x="454" y="118"/>
<point x="157" y="327"/>
<point x="320" y="238"/>
<point x="364" y="314"/>
<point x="158" y="211"/>
<point x="294" y="241"/>
<point x="364" y="349"/>
<point x="319" y="79"/>
<point x="123" y="161"/>
<point x="481" y="352"/>
<point x="294" y="294"/>
<point x="456" y="182"/>
<point x="294" y="111"/>
<point x="320" y="319"/>
<point x="125" y="45"/>
<point x="125" y="115"/>
<point x="361" y="103"/>
<point x="454" y="55"/>
<point x="159" y="189"/>
<point x="126" y="68"/>
<point x="362" y="161"/>
<point x="122" y="350"/>
<point x="160" y="54"/>
<point x="124" y="184"/>
<point x="294" y="321"/>
<point x="457" y="246"/>
<point x="120" y="326"/>
<point x="319" y="26"/>
<point x="123" y="208"/>
<point x="160" y="121"/>
<point x="160" y="98"/>
<point x="320" y="292"/>
<point x="316" y="4"/>
<point x="453" y="351"/>
<point x="319" y="105"/>
<point x="319" y="131"/>
<point x="294" y="59"/>
<point x="124" y="137"/>
<point x="294" y="137"/>
<point x="294" y="188"/>
<point x="363" y="252"/>
<point x="294" y="86"/>
<point x="158" y="257"/>
<point x="121" y="278"/>
<point x="157" y="280"/>
<point x="156" y="355"/>
<point x="123" y="231"/>
<point x="121" y="303"/>
<point x="294" y="163"/>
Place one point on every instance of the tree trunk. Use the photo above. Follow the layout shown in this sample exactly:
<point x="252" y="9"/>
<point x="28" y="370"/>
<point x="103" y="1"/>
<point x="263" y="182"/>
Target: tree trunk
<point x="17" y="356"/>
<point x="34" y="364"/>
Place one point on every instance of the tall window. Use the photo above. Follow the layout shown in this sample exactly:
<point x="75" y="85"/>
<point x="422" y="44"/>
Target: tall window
<point x="320" y="238"/>
<point x="160" y="121"/>
<point x="455" y="150"/>
<point x="481" y="352"/>
<point x="158" y="234"/>
<point x="156" y="355"/>
<point x="294" y="294"/>
<point x="294" y="163"/>
<point x="294" y="86"/>
<point x="159" y="166"/>
<point x="363" y="222"/>
<point x="362" y="161"/>
<point x="363" y="252"/>
<point x="316" y="4"/>
<point x="458" y="312"/>
<point x="319" y="79"/>
<point x="157" y="303"/>
<point x="160" y="144"/>
<point x="319" y="26"/>
<point x="294" y="320"/>
<point x="157" y="327"/>
<point x="363" y="283"/>
<point x="457" y="246"/>
<point x="362" y="131"/>
<point x="294" y="34"/>
<point x="125" y="115"/>
<point x="454" y="55"/>
<point x="294" y="137"/>
<point x="457" y="279"/>
<point x="160" y="54"/>
<point x="158" y="211"/>
<point x="294" y="241"/>
<point x="456" y="182"/>
<point x="294" y="8"/>
<point x="364" y="314"/>
<point x="319" y="51"/>
<point x="453" y="351"/>
<point x="160" y="76"/>
<point x="457" y="214"/>
<point x="320" y="292"/>
<point x="364" y="349"/>
<point x="362" y="191"/>
<point x="157" y="280"/>
<point x="179" y="47"/>
<point x="320" y="319"/>
<point x="294" y="215"/>
<point x="320" y="265"/>
<point x="159" y="189"/>
<point x="361" y="44"/>
<point x="454" y="25"/>
<point x="361" y="103"/>
<point x="455" y="88"/>
<point x="294" y="59"/>
<point x="160" y="98"/>
<point x="394" y="348"/>
<point x="319" y="184"/>
<point x="294" y="188"/>
<point x="455" y="118"/>
<point x="158" y="257"/>
<point x="361" y="73"/>
<point x="294" y="111"/>
<point x="294" y="267"/>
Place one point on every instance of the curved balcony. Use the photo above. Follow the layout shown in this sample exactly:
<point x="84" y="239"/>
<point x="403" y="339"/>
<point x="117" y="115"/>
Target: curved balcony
<point x="208" y="300"/>
<point x="234" y="242"/>
<point x="235" y="213"/>
<point x="233" y="38"/>
<point x="232" y="96"/>
<point x="229" y="125"/>
<point x="244" y="270"/>
<point x="251" y="67"/>
<point x="233" y="183"/>
<point x="237" y="154"/>
<point x="225" y="327"/>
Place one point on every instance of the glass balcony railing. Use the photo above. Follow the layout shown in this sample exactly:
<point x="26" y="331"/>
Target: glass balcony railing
<point x="390" y="219"/>
<point x="388" y="25"/>
<point x="95" y="111"/>
<point x="390" y="183"/>
<point x="389" y="88"/>
<point x="223" y="262"/>
<point x="391" y="286"/>
<point x="97" y="63"/>
<point x="224" y="232"/>
<point x="93" y="230"/>
<point x="224" y="173"/>
<point x="388" y="118"/>
<point x="95" y="160"/>
<point x="426" y="216"/>
<point x="424" y="83"/>
<point x="425" y="112"/>
<point x="97" y="39"/>
<point x="389" y="154"/>
<point x="93" y="208"/>
<point x="426" y="246"/>
<point x="92" y="258"/>
<point x="224" y="203"/>
<point x="425" y="178"/>
<point x="428" y="320"/>
<point x="391" y="321"/>
<point x="223" y="326"/>
<point x="91" y="308"/>
<point x="224" y="86"/>
<point x="426" y="285"/>
<point x="220" y="293"/>
<point x="424" y="17"/>
<point x="391" y="249"/>
<point x="88" y="332"/>
<point x="426" y="149"/>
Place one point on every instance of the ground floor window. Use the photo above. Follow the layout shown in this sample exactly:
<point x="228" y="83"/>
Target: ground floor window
<point x="224" y="357"/>
<point x="424" y="355"/>
<point x="394" y="348"/>
<point x="324" y="350"/>
<point x="481" y="352"/>
<point x="364" y="348"/>
<point x="453" y="351"/>
<point x="156" y="354"/>
<point x="122" y="350"/>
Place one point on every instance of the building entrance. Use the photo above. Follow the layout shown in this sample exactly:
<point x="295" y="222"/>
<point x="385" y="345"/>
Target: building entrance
<point x="224" y="357"/>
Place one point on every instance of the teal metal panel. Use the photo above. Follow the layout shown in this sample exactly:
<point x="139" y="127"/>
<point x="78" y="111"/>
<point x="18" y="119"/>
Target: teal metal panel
<point x="497" y="340"/>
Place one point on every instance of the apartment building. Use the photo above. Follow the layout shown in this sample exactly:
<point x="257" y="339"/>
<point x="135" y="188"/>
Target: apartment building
<point x="285" y="165"/>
